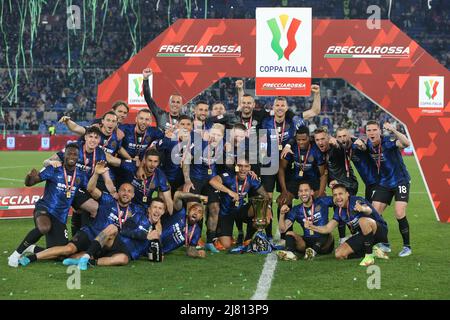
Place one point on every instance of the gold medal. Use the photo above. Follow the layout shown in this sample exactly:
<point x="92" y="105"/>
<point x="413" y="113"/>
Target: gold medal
<point x="280" y="147"/>
<point x="68" y="194"/>
<point x="236" y="204"/>
<point x="209" y="171"/>
<point x="236" y="168"/>
<point x="144" y="199"/>
<point x="311" y="232"/>
<point x="300" y="173"/>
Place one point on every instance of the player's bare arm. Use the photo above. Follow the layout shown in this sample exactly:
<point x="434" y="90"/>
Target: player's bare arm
<point x="402" y="140"/>
<point x="73" y="126"/>
<point x="179" y="196"/>
<point x="316" y="105"/>
<point x="53" y="161"/>
<point x="100" y="168"/>
<point x="32" y="178"/>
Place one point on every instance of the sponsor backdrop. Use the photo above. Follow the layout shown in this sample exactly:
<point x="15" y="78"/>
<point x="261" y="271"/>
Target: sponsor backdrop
<point x="19" y="202"/>
<point x="384" y="64"/>
<point x="283" y="51"/>
<point x="34" y="142"/>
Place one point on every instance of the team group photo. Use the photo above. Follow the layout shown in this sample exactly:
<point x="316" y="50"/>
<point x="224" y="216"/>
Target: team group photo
<point x="224" y="150"/>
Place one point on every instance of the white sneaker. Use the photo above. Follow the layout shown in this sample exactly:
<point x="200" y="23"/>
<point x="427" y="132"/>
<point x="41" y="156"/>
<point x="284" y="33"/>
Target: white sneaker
<point x="13" y="259"/>
<point x="405" y="252"/>
<point x="29" y="249"/>
<point x="310" y="253"/>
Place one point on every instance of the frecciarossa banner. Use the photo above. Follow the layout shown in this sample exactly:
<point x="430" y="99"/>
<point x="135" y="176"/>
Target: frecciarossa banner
<point x="19" y="202"/>
<point x="384" y="64"/>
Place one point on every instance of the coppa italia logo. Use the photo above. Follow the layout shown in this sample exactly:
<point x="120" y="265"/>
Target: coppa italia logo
<point x="290" y="34"/>
<point x="431" y="88"/>
<point x="135" y="89"/>
<point x="138" y="86"/>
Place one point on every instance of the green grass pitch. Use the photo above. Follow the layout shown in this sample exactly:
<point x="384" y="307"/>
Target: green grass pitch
<point x="423" y="275"/>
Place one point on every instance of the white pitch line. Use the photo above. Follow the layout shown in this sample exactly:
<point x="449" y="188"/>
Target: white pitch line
<point x="8" y="179"/>
<point x="1" y="168"/>
<point x="265" y="280"/>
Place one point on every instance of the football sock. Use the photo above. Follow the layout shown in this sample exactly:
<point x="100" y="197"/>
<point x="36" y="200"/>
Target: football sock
<point x="32" y="237"/>
<point x="403" y="226"/>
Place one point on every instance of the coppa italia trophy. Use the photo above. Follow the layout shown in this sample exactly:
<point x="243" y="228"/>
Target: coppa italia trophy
<point x="259" y="243"/>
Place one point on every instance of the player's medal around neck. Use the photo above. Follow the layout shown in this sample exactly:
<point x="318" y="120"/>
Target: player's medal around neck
<point x="69" y="179"/>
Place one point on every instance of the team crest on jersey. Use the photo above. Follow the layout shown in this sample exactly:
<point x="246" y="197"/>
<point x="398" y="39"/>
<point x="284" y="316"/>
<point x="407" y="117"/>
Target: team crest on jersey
<point x="254" y="123"/>
<point x="147" y="140"/>
<point x="78" y="180"/>
<point x="113" y="144"/>
<point x="311" y="159"/>
<point x="318" y="208"/>
<point x="152" y="185"/>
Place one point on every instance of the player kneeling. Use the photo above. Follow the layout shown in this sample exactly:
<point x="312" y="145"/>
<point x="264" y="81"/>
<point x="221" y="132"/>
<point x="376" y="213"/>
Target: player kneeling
<point x="315" y="211"/>
<point x="366" y="225"/>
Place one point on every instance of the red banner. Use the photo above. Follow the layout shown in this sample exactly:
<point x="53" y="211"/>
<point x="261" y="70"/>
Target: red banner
<point x="19" y="202"/>
<point x="34" y="142"/>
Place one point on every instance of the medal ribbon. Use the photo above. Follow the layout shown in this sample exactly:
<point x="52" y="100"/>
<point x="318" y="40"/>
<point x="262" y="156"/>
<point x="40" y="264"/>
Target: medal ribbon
<point x="69" y="188"/>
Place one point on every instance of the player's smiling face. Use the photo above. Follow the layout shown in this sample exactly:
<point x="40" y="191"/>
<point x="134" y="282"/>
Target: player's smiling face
<point x="244" y="168"/>
<point x="215" y="136"/>
<point x="247" y="103"/>
<point x="305" y="192"/>
<point x="121" y="112"/>
<point x="186" y="125"/>
<point x="71" y="157"/>
<point x="280" y="107"/>
<point x="143" y="120"/>
<point x="218" y="109"/>
<point x="175" y="103"/>
<point x="109" y="123"/>
<point x="373" y="132"/>
<point x="322" y="141"/>
<point x="302" y="140"/>
<point x="195" y="214"/>
<point x="201" y="111"/>
<point x="340" y="197"/>
<point x="155" y="211"/>
<point x="126" y="193"/>
<point x="92" y="140"/>
<point x="151" y="163"/>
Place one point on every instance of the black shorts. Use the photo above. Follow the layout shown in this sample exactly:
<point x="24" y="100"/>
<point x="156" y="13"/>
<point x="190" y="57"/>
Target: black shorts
<point x="293" y="185"/>
<point x="321" y="242"/>
<point x="204" y="188"/>
<point x="117" y="248"/>
<point x="226" y="222"/>
<point x="57" y="236"/>
<point x="270" y="183"/>
<point x="81" y="196"/>
<point x="370" y="190"/>
<point x="356" y="241"/>
<point x="81" y="241"/>
<point x="385" y="195"/>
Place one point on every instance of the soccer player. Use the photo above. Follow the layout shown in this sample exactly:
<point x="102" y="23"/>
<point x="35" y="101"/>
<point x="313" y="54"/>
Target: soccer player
<point x="362" y="160"/>
<point x="164" y="119"/>
<point x="314" y="210"/>
<point x="394" y="177"/>
<point x="200" y="167"/>
<point x="110" y="212"/>
<point x="50" y="213"/>
<point x="173" y="147"/>
<point x="111" y="136"/>
<point x="234" y="187"/>
<point x="138" y="137"/>
<point x="304" y="163"/>
<point x="89" y="154"/>
<point x="182" y="228"/>
<point x="366" y="225"/>
<point x="145" y="178"/>
<point x="116" y="245"/>
<point x="201" y="121"/>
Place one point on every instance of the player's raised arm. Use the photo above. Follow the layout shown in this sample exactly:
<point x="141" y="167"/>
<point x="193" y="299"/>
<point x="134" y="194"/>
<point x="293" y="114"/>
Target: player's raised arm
<point x="156" y="111"/>
<point x="100" y="169"/>
<point x="284" y="224"/>
<point x="402" y="140"/>
<point x="53" y="161"/>
<point x="362" y="207"/>
<point x="113" y="161"/>
<point x="240" y="92"/>
<point x="316" y="105"/>
<point x="179" y="196"/>
<point x="32" y="178"/>
<point x="73" y="126"/>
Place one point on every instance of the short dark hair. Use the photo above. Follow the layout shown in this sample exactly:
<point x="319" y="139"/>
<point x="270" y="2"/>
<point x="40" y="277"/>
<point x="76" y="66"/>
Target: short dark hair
<point x="339" y="185"/>
<point x="248" y="95"/>
<point x="239" y="126"/>
<point x="184" y="117"/>
<point x="111" y="113"/>
<point x="72" y="145"/>
<point x="120" y="103"/>
<point x="145" y="111"/>
<point x="303" y="130"/>
<point x="201" y="102"/>
<point x="93" y="129"/>
<point x="321" y="130"/>
<point x="151" y="152"/>
<point x="370" y="122"/>
<point x="306" y="182"/>
<point x="158" y="199"/>
<point x="281" y="98"/>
